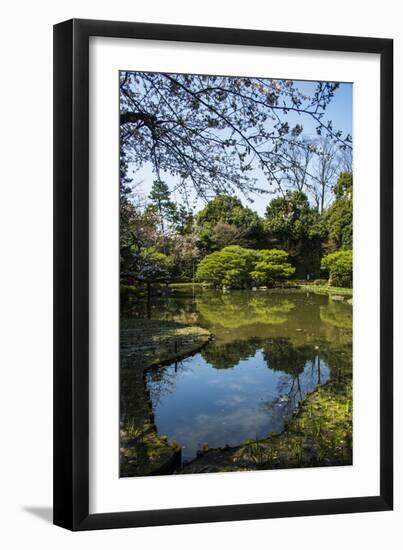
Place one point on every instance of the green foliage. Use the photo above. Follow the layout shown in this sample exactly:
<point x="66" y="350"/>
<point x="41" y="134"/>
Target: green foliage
<point x="138" y="233"/>
<point x="226" y="209"/>
<point x="221" y="137"/>
<point x="183" y="220"/>
<point x="229" y="266"/>
<point x="154" y="265"/>
<point x="291" y="218"/>
<point x="238" y="267"/>
<point x="272" y="266"/>
<point x="160" y="198"/>
<point x="344" y="185"/>
<point x="339" y="216"/>
<point x="157" y="242"/>
<point x="225" y="234"/>
<point x="296" y="227"/>
<point x="163" y="242"/>
<point x="172" y="217"/>
<point x="225" y="221"/>
<point x="339" y="266"/>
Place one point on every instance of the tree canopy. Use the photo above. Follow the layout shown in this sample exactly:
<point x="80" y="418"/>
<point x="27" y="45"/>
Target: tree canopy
<point x="161" y="242"/>
<point x="214" y="132"/>
<point x="296" y="227"/>
<point x="225" y="221"/>
<point x="171" y="217"/>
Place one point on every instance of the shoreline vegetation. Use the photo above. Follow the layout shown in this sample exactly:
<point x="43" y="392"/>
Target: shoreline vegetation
<point x="308" y="440"/>
<point x="326" y="289"/>
<point x="131" y="293"/>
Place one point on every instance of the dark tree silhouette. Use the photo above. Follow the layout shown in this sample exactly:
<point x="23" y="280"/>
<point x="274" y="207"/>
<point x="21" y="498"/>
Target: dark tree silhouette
<point x="215" y="132"/>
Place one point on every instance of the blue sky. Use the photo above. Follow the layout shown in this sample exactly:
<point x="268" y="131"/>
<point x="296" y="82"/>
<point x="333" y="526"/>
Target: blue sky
<point x="339" y="111"/>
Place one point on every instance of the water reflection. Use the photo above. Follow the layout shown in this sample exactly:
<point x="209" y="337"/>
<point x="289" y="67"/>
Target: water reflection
<point x="246" y="315"/>
<point x="233" y="311"/>
<point x="269" y="351"/>
<point x="338" y="314"/>
<point x="208" y="399"/>
<point x="226" y="355"/>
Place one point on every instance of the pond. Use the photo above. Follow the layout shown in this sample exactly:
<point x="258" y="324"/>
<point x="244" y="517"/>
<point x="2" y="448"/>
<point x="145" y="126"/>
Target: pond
<point x="269" y="350"/>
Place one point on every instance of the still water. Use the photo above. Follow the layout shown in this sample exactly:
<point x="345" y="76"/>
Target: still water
<point x="269" y="350"/>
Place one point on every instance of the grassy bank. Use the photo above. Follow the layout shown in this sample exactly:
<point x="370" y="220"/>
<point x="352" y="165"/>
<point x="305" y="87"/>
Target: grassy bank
<point x="326" y="289"/>
<point x="145" y="344"/>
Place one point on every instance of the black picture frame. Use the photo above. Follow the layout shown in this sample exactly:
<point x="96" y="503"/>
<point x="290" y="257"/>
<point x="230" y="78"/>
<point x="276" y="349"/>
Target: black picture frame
<point x="71" y="274"/>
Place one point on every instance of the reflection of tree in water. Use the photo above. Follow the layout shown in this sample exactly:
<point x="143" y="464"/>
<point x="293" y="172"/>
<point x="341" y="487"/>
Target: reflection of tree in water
<point x="165" y="305"/>
<point x="161" y="381"/>
<point x="337" y="314"/>
<point x="303" y="366"/>
<point x="339" y="358"/>
<point x="172" y="308"/>
<point x="227" y="355"/>
<point x="233" y="311"/>
<point x="312" y="375"/>
<point x="281" y="355"/>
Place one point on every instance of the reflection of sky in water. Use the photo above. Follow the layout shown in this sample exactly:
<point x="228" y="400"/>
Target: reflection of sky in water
<point x="195" y="403"/>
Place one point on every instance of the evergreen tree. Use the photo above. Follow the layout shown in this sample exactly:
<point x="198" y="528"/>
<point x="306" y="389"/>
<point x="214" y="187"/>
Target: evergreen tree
<point x="296" y="228"/>
<point x="339" y="216"/>
<point x="224" y="221"/>
<point x="160" y="197"/>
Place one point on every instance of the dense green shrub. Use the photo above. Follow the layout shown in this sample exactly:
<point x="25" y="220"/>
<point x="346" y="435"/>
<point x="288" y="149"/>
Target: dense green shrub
<point x="272" y="266"/>
<point x="339" y="266"/>
<point x="238" y="267"/>
<point x="229" y="266"/>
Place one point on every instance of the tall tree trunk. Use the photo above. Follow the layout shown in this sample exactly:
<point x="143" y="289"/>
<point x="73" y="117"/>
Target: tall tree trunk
<point x="322" y="198"/>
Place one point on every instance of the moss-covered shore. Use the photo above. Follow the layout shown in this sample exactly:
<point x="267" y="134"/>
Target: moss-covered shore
<point x="319" y="434"/>
<point x="145" y="344"/>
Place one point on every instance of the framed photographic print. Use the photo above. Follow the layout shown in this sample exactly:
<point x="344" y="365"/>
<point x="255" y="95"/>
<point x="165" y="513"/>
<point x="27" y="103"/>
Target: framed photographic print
<point x="223" y="274"/>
